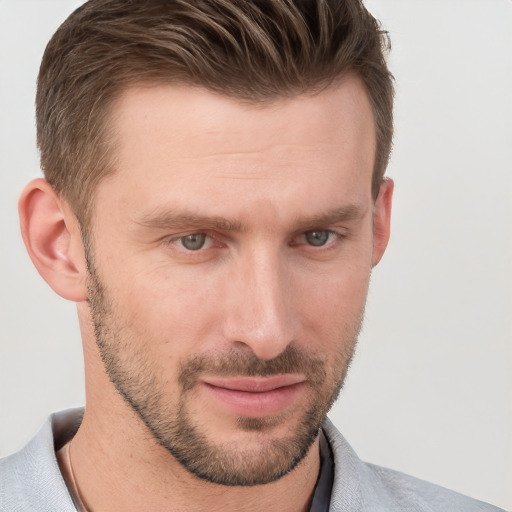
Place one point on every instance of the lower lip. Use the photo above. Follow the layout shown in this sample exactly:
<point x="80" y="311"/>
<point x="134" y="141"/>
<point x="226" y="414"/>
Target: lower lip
<point x="255" y="404"/>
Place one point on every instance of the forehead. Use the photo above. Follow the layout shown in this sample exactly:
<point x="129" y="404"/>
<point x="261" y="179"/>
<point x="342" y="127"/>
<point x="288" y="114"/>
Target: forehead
<point x="341" y="113"/>
<point x="181" y="143"/>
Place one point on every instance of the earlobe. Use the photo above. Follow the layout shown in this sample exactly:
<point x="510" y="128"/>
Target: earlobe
<point x="382" y="220"/>
<point x="53" y="240"/>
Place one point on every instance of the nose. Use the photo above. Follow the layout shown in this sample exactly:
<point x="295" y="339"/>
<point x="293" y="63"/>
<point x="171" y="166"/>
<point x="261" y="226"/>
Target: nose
<point x="260" y="312"/>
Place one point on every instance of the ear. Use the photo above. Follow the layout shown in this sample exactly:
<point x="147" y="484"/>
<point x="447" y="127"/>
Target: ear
<point x="52" y="236"/>
<point x="382" y="220"/>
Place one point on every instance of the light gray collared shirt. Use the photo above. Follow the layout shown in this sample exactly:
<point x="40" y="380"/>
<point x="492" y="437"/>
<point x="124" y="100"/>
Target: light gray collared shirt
<point x="30" y="480"/>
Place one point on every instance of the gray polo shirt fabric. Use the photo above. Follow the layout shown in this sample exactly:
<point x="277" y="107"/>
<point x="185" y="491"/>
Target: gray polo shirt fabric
<point x="30" y="480"/>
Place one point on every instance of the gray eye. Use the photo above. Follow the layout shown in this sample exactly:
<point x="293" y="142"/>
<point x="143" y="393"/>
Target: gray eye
<point x="193" y="242"/>
<point x="317" y="238"/>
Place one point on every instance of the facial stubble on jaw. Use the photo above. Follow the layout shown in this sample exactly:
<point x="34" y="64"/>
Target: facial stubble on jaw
<point x="142" y="385"/>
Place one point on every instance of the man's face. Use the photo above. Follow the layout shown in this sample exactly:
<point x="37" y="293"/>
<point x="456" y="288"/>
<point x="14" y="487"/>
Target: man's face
<point x="230" y="258"/>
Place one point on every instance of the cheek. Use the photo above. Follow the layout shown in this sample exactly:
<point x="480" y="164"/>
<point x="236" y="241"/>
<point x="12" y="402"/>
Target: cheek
<point x="331" y="309"/>
<point x="173" y="311"/>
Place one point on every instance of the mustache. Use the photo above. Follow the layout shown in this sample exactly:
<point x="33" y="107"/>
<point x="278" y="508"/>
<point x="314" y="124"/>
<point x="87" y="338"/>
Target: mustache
<point x="246" y="364"/>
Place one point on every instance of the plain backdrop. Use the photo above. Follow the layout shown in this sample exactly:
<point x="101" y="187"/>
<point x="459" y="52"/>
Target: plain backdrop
<point x="430" y="391"/>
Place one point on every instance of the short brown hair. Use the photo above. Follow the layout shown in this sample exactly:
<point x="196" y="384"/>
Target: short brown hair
<point x="253" y="50"/>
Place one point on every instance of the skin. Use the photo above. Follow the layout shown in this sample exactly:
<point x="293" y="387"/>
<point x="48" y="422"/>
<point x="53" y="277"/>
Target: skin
<point x="185" y="159"/>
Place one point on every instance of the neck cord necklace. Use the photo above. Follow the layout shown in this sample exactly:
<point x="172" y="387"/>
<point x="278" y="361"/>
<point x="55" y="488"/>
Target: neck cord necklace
<point x="77" y="497"/>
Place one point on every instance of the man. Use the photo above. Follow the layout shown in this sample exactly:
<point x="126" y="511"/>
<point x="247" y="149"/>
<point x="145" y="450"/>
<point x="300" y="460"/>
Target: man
<point x="214" y="203"/>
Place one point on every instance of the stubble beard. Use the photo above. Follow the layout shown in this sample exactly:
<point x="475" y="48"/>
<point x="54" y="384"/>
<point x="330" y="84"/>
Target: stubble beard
<point x="142" y="384"/>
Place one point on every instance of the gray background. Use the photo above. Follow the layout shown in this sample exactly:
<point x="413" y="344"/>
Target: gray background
<point x="430" y="390"/>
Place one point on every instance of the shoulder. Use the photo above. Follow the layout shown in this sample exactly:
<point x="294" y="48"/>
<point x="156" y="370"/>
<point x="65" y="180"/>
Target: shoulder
<point x="410" y="493"/>
<point x="31" y="479"/>
<point x="367" y="487"/>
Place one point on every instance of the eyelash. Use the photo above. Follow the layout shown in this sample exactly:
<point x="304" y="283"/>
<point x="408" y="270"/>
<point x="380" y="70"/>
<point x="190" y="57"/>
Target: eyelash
<point x="177" y="239"/>
<point x="331" y="233"/>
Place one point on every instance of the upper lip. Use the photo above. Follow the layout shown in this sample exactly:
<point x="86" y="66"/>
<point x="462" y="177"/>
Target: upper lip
<point x="254" y="384"/>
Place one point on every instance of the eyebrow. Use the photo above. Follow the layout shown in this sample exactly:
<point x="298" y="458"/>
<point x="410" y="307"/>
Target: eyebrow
<point x="333" y="216"/>
<point x="188" y="220"/>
